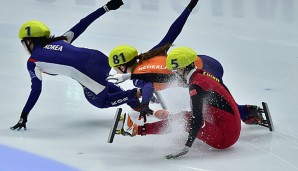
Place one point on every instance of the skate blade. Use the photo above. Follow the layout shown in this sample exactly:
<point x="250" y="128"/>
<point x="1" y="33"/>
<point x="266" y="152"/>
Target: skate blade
<point x="268" y="122"/>
<point x="115" y="125"/>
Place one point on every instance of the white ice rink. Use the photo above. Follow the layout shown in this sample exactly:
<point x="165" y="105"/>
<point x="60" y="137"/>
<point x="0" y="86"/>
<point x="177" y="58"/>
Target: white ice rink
<point x="255" y="40"/>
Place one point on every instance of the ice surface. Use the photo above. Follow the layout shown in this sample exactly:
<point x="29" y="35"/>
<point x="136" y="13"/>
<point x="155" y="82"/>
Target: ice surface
<point x="256" y="42"/>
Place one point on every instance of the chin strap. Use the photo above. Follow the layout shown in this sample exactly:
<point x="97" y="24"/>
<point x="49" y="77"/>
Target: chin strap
<point x="123" y="71"/>
<point x="27" y="46"/>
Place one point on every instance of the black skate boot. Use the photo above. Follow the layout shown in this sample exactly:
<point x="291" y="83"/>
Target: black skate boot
<point x="255" y="116"/>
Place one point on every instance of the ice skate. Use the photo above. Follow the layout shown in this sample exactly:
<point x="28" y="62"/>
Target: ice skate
<point x="114" y="129"/>
<point x="256" y="116"/>
<point x="123" y="125"/>
<point x="268" y="122"/>
<point x="129" y="128"/>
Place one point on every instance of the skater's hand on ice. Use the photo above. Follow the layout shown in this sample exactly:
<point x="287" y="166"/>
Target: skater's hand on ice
<point x="21" y="124"/>
<point x="179" y="153"/>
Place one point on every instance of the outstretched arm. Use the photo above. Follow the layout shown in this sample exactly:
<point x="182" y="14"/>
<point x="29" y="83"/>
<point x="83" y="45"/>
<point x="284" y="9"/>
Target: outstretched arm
<point x="147" y="93"/>
<point x="84" y="23"/>
<point x="177" y="26"/>
<point x="197" y="98"/>
<point x="36" y="85"/>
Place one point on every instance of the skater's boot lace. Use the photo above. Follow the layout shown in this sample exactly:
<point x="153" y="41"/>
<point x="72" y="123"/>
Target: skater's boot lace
<point x="254" y="116"/>
<point x="129" y="127"/>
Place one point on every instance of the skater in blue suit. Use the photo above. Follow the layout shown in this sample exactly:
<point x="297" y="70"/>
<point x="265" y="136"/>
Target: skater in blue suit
<point x="56" y="56"/>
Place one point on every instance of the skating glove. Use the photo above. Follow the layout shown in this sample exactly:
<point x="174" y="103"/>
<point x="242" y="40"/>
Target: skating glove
<point x="113" y="5"/>
<point x="21" y="124"/>
<point x="192" y="4"/>
<point x="179" y="153"/>
<point x="145" y="111"/>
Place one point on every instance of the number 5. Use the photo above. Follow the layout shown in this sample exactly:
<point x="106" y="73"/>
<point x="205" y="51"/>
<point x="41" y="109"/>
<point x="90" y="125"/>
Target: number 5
<point x="174" y="63"/>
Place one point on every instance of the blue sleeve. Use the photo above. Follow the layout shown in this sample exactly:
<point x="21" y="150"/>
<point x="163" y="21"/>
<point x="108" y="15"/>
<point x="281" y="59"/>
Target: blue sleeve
<point x="36" y="85"/>
<point x="147" y="89"/>
<point x="174" y="30"/>
<point x="84" y="23"/>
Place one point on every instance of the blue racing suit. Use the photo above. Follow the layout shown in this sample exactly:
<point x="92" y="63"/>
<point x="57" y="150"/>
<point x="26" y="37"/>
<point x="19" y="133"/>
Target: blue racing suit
<point x="87" y="66"/>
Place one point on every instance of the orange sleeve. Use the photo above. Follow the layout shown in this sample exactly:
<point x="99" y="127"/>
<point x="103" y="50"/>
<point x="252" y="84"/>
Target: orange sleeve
<point x="199" y="63"/>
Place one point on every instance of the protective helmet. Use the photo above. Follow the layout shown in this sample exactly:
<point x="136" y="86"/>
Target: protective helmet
<point x="180" y="57"/>
<point x="121" y="55"/>
<point x="34" y="28"/>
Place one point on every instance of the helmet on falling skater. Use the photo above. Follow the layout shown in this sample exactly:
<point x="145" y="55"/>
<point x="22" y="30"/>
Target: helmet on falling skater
<point x="122" y="55"/>
<point x="181" y="61"/>
<point x="34" y="29"/>
<point x="30" y="30"/>
<point x="180" y="57"/>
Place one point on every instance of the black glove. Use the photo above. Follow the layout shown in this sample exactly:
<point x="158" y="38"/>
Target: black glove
<point x="192" y="4"/>
<point x="114" y="4"/>
<point x="21" y="124"/>
<point x="145" y="111"/>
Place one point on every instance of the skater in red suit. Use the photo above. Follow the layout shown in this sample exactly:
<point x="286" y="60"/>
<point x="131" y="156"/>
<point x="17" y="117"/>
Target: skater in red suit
<point x="214" y="118"/>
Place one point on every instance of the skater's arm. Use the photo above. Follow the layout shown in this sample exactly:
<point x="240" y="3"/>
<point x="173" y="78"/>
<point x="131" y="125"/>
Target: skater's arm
<point x="196" y="121"/>
<point x="36" y="85"/>
<point x="197" y="97"/>
<point x="147" y="94"/>
<point x="84" y="23"/>
<point x="147" y="89"/>
<point x="176" y="28"/>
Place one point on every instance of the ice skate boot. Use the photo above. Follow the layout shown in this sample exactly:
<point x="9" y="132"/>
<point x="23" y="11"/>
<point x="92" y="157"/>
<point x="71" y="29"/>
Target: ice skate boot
<point x="128" y="127"/>
<point x="254" y="116"/>
<point x="122" y="125"/>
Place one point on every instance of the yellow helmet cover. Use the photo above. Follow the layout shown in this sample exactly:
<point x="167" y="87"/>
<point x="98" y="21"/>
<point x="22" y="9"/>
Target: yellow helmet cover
<point x="121" y="55"/>
<point x="34" y="28"/>
<point x="180" y="57"/>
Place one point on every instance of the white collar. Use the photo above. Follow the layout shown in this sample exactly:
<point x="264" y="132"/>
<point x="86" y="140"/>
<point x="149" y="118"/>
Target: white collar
<point x="190" y="74"/>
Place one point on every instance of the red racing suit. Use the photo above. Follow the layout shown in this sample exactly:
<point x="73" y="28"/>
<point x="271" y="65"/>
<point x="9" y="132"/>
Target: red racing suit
<point x="214" y="118"/>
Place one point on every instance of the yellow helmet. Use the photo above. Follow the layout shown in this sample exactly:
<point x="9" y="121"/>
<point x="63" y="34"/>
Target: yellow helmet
<point x="34" y="28"/>
<point x="180" y="57"/>
<point x="121" y="55"/>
